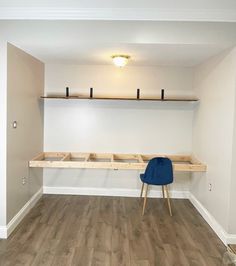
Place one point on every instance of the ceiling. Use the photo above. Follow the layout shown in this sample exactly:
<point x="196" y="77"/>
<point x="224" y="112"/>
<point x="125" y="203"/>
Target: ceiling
<point x="148" y="41"/>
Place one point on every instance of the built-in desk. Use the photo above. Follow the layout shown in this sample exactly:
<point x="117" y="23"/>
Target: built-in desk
<point x="181" y="163"/>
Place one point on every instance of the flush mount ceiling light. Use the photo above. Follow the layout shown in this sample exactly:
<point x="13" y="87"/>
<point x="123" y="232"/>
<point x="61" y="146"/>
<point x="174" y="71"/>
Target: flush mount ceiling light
<point x="120" y="60"/>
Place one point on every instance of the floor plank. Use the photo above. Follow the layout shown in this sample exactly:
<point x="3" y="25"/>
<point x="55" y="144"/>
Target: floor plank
<point x="110" y="231"/>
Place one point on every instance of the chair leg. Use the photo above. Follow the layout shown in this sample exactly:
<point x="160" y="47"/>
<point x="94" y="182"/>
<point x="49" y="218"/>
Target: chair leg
<point x="163" y="192"/>
<point x="141" y="194"/>
<point x="168" y="200"/>
<point x="145" y="199"/>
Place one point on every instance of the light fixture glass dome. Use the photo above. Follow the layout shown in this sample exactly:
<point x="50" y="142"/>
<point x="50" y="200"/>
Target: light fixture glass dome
<point x="120" y="60"/>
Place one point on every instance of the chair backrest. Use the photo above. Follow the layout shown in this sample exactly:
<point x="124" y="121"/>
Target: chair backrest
<point x="159" y="171"/>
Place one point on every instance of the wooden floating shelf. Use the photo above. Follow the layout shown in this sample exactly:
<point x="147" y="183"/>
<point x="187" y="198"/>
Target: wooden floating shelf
<point x="170" y="99"/>
<point x="181" y="163"/>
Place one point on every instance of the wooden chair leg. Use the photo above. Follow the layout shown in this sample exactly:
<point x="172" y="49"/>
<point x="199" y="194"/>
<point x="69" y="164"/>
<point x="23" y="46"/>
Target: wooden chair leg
<point x="141" y="194"/>
<point x="145" y="199"/>
<point x="163" y="192"/>
<point x="168" y="200"/>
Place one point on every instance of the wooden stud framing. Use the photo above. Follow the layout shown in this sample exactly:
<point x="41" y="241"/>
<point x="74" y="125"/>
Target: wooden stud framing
<point x="112" y="158"/>
<point x="66" y="157"/>
<point x="39" y="157"/>
<point x="181" y="163"/>
<point x="87" y="157"/>
<point x="140" y="159"/>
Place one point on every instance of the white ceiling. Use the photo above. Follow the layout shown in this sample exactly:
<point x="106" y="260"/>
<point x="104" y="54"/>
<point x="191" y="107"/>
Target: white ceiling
<point x="152" y="32"/>
<point x="93" y="42"/>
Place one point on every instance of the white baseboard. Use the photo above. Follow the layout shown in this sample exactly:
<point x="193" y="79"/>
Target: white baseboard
<point x="231" y="239"/>
<point x="5" y="231"/>
<point x="218" y="229"/>
<point x="111" y="192"/>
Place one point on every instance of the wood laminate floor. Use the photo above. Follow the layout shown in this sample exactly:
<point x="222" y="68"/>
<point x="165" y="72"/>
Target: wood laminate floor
<point x="233" y="248"/>
<point x="110" y="231"/>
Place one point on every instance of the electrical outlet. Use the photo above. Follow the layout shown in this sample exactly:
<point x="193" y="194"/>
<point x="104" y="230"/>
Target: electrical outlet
<point x="209" y="186"/>
<point x="23" y="180"/>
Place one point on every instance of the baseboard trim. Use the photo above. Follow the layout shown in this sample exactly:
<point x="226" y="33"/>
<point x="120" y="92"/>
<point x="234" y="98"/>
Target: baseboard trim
<point x="217" y="228"/>
<point x="231" y="239"/>
<point x="111" y="192"/>
<point x="5" y="231"/>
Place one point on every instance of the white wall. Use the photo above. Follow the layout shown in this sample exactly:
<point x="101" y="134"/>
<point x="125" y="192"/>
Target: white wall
<point x="3" y="123"/>
<point x="126" y="127"/>
<point x="214" y="83"/>
<point x="25" y="84"/>
<point x="111" y="81"/>
<point x="232" y="209"/>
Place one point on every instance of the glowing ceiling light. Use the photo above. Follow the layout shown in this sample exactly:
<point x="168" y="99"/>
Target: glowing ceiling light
<point x="120" y="60"/>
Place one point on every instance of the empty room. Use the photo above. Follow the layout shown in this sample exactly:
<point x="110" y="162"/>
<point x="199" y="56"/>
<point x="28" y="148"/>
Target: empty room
<point x="117" y="133"/>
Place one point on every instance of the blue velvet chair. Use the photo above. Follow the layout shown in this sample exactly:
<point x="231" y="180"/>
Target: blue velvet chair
<point x="159" y="172"/>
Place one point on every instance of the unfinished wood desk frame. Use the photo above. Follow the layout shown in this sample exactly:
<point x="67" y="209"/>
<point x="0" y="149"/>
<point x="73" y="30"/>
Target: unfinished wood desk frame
<point x="181" y="163"/>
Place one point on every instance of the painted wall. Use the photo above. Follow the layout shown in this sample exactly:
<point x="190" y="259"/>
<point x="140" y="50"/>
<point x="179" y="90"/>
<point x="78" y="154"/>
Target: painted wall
<point x="3" y="114"/>
<point x="25" y="83"/>
<point x="232" y="208"/>
<point x="214" y="83"/>
<point x="125" y="127"/>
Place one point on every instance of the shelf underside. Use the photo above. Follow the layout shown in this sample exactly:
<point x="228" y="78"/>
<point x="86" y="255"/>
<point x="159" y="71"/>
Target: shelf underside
<point x="172" y="99"/>
<point x="181" y="163"/>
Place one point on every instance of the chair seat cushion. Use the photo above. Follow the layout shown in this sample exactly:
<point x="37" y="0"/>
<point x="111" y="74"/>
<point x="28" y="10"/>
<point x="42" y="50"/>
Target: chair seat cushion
<point x="158" y="172"/>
